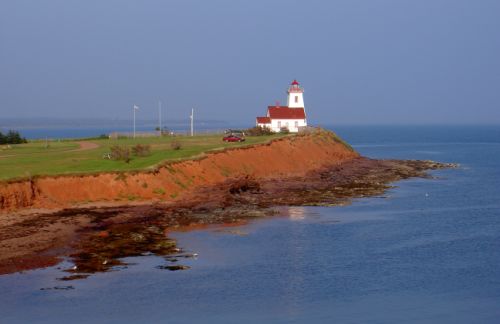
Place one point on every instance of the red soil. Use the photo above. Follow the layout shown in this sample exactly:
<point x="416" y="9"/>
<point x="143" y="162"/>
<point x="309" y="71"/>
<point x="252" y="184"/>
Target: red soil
<point x="287" y="157"/>
<point x="84" y="146"/>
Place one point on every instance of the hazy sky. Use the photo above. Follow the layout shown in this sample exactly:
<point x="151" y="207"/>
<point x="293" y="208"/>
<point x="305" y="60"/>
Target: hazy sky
<point x="371" y="61"/>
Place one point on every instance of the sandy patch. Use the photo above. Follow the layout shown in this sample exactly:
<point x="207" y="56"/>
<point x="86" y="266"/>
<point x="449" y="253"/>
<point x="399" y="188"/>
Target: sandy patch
<point x="84" y="145"/>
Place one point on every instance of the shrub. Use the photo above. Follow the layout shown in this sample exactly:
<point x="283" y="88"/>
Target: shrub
<point x="12" y="137"/>
<point x="259" y="131"/>
<point x="175" y="145"/>
<point x="159" y="191"/>
<point x="284" y="130"/>
<point x="141" y="150"/>
<point x="120" y="153"/>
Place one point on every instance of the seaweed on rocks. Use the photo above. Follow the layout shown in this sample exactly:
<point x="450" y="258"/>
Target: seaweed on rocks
<point x="107" y="235"/>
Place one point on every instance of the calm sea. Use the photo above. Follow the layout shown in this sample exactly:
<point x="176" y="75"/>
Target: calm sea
<point x="428" y="251"/>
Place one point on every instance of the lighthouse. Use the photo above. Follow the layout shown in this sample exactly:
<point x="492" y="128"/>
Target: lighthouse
<point x="295" y="95"/>
<point x="291" y="118"/>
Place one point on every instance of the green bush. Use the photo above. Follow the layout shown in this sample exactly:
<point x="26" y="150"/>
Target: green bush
<point x="175" y="145"/>
<point x="259" y="131"/>
<point x="120" y="153"/>
<point x="141" y="150"/>
<point x="284" y="130"/>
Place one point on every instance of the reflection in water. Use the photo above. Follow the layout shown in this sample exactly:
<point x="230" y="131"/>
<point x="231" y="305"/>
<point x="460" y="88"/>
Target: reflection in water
<point x="296" y="212"/>
<point x="294" y="289"/>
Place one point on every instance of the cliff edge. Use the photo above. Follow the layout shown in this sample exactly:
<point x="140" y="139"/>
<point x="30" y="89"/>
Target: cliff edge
<point x="293" y="156"/>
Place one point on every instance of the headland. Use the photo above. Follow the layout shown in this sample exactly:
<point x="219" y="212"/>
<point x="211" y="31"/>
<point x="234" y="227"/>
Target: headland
<point x="97" y="219"/>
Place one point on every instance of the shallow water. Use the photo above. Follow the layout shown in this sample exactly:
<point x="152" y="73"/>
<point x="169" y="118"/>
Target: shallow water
<point x="427" y="251"/>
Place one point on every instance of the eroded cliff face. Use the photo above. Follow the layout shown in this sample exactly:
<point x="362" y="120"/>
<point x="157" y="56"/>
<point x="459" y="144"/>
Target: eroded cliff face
<point x="287" y="157"/>
<point x="17" y="195"/>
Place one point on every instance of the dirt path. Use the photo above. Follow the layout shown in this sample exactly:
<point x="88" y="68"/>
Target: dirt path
<point x="85" y="146"/>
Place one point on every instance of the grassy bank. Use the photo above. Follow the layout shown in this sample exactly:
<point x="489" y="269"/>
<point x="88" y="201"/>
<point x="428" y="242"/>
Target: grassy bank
<point x="67" y="156"/>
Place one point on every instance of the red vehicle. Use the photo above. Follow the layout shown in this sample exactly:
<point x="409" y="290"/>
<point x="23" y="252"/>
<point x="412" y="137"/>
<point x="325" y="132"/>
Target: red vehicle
<point x="233" y="138"/>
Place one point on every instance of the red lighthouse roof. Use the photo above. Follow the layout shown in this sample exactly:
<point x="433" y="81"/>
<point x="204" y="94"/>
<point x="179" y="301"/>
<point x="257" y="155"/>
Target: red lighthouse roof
<point x="295" y="87"/>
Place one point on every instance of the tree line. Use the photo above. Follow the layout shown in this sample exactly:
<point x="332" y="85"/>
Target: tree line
<point x="12" y="137"/>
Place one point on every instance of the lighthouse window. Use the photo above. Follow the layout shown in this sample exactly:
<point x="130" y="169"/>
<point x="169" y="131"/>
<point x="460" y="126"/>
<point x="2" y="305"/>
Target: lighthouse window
<point x="296" y="99"/>
<point x="296" y="124"/>
<point x="279" y="124"/>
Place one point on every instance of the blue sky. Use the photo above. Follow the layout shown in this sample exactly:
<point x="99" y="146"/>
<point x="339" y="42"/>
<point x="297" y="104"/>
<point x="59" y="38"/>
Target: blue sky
<point x="371" y="61"/>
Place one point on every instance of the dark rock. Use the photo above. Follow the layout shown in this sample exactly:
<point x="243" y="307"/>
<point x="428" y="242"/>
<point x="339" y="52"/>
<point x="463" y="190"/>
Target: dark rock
<point x="173" y="267"/>
<point x="73" y="277"/>
<point x="59" y="288"/>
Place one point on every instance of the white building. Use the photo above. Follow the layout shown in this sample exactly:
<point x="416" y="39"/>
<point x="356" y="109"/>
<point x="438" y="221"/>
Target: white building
<point x="292" y="116"/>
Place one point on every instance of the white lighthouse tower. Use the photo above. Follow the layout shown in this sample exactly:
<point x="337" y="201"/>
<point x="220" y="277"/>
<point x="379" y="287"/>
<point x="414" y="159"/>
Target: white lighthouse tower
<point x="295" y="95"/>
<point x="291" y="117"/>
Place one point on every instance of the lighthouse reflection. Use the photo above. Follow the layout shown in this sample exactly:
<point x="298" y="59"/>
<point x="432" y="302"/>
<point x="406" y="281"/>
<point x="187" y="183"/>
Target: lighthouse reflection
<point x="296" y="212"/>
<point x="296" y="246"/>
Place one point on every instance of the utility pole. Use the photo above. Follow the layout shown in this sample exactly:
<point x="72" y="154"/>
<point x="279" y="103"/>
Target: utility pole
<point x="192" y="118"/>
<point x="135" y="108"/>
<point x="159" y="116"/>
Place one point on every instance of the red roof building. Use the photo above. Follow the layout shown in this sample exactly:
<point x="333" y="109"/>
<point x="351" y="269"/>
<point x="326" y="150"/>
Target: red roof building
<point x="263" y="120"/>
<point x="291" y="117"/>
<point x="283" y="112"/>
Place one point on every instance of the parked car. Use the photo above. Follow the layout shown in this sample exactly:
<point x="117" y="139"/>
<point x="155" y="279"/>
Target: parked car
<point x="233" y="138"/>
<point x="235" y="132"/>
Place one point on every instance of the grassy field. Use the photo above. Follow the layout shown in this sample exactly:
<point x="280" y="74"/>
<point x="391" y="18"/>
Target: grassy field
<point x="66" y="157"/>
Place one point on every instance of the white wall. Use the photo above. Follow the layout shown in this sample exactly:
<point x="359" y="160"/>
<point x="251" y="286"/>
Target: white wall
<point x="291" y="100"/>
<point x="290" y="123"/>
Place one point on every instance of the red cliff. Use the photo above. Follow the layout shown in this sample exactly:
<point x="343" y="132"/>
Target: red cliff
<point x="281" y="158"/>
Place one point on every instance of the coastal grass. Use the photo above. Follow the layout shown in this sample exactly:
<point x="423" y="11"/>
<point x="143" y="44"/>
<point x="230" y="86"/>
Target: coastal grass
<point x="36" y="158"/>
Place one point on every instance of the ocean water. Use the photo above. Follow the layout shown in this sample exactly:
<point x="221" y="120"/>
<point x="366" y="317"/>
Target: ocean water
<point x="427" y="251"/>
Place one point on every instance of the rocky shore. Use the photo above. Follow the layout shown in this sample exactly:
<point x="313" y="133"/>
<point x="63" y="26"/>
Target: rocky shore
<point x="97" y="237"/>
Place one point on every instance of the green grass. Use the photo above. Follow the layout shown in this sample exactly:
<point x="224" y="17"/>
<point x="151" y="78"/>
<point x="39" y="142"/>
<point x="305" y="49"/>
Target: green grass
<point x="34" y="158"/>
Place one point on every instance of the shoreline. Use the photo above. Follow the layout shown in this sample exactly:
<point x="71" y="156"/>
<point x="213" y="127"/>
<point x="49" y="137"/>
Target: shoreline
<point x="96" y="238"/>
<point x="226" y="187"/>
